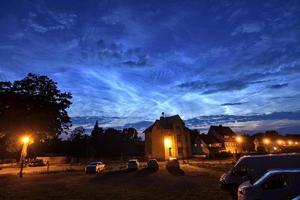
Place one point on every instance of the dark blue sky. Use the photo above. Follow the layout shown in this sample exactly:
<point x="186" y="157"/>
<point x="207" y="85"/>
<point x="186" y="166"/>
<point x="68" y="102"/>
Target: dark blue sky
<point x="136" y="59"/>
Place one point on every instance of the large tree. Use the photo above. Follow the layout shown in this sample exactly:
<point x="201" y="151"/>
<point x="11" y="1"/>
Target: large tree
<point x="33" y="105"/>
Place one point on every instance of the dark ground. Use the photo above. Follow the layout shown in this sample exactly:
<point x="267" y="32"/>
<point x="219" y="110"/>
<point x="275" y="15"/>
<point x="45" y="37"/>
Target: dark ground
<point x="189" y="183"/>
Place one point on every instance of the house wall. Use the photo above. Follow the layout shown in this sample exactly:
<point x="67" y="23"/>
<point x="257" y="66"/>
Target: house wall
<point x="228" y="142"/>
<point x="232" y="147"/>
<point x="180" y="142"/>
<point x="200" y="147"/>
<point x="157" y="146"/>
<point x="148" y="144"/>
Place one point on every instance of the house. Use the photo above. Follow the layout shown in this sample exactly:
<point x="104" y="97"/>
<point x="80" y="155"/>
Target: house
<point x="227" y="137"/>
<point x="168" y="137"/>
<point x="273" y="142"/>
<point x="207" y="144"/>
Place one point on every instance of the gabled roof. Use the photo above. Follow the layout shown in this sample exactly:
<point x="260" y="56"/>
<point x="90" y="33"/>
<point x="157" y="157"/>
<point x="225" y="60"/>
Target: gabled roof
<point x="223" y="130"/>
<point x="208" y="139"/>
<point x="165" y="122"/>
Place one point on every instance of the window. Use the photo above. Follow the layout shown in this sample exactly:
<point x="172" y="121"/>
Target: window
<point x="241" y="170"/>
<point x="179" y="138"/>
<point x="276" y="181"/>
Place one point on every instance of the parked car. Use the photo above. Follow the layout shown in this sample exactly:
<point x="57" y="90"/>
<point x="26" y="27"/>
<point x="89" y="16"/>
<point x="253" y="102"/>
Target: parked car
<point x="36" y="163"/>
<point x="133" y="164"/>
<point x="173" y="163"/>
<point x="253" y="167"/>
<point x="275" y="184"/>
<point x="153" y="165"/>
<point x="95" y="167"/>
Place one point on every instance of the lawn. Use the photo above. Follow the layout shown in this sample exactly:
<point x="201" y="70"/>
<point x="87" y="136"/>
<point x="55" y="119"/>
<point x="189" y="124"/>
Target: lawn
<point x="193" y="182"/>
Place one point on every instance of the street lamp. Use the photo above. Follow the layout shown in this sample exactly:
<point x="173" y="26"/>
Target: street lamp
<point x="280" y="142"/>
<point x="266" y="141"/>
<point x="25" y="141"/>
<point x="239" y="139"/>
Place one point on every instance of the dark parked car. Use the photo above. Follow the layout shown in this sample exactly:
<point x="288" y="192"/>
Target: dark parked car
<point x="153" y="165"/>
<point x="173" y="163"/>
<point x="36" y="163"/>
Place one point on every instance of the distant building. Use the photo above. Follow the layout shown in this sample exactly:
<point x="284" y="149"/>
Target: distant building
<point x="227" y="137"/>
<point x="168" y="137"/>
<point x="273" y="142"/>
<point x="207" y="144"/>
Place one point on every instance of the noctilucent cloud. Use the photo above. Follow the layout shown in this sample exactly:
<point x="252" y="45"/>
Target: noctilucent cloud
<point x="136" y="59"/>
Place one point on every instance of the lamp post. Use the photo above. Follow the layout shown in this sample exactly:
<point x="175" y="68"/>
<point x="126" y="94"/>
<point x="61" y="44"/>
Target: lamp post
<point x="25" y="141"/>
<point x="266" y="141"/>
<point x="239" y="140"/>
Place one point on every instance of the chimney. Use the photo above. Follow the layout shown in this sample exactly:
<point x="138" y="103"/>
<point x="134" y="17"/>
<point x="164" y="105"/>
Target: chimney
<point x="220" y="125"/>
<point x="162" y="115"/>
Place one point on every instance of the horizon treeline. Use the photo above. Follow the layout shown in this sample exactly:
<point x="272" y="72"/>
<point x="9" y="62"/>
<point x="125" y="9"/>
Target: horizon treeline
<point x="101" y="143"/>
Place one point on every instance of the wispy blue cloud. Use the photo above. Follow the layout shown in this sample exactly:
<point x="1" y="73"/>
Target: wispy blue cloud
<point x="138" y="59"/>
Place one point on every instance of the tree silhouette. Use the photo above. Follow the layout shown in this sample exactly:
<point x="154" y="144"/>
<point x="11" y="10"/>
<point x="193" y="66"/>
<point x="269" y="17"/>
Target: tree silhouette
<point x="35" y="105"/>
<point x="96" y="142"/>
<point x="78" y="142"/>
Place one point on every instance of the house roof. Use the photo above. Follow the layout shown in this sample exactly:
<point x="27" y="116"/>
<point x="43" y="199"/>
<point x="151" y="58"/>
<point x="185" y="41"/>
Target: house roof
<point x="165" y="122"/>
<point x="223" y="130"/>
<point x="208" y="139"/>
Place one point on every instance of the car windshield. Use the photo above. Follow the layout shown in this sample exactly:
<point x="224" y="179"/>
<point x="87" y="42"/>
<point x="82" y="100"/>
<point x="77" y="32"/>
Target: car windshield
<point x="132" y="161"/>
<point x="253" y="180"/>
<point x="259" y="180"/>
<point x="93" y="163"/>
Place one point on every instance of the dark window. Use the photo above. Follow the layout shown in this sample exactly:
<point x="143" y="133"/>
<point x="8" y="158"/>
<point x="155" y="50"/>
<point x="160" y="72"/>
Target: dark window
<point x="179" y="138"/>
<point x="241" y="170"/>
<point x="276" y="181"/>
<point x="180" y="150"/>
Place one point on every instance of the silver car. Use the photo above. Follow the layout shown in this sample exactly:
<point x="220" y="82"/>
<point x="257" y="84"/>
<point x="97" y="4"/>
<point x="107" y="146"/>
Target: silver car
<point x="133" y="164"/>
<point x="95" y="167"/>
<point x="275" y="184"/>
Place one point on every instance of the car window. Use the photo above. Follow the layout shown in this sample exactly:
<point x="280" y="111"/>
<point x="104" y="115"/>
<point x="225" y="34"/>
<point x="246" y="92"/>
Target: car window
<point x="241" y="170"/>
<point x="276" y="181"/>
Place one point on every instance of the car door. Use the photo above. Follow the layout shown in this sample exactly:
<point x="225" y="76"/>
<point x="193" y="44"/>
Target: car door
<point x="240" y="174"/>
<point x="276" y="187"/>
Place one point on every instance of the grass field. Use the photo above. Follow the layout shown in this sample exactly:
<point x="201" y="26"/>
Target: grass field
<point x="193" y="182"/>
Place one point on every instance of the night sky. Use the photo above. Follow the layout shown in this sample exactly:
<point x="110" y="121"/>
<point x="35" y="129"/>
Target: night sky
<point x="136" y="59"/>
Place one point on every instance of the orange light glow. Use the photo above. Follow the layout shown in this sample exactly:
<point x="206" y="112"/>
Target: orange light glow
<point x="280" y="142"/>
<point x="239" y="139"/>
<point x="168" y="143"/>
<point x="266" y="141"/>
<point x="25" y="139"/>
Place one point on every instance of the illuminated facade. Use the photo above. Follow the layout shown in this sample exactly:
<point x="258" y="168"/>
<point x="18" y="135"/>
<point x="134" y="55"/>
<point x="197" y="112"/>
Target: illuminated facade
<point x="167" y="138"/>
<point x="230" y="141"/>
